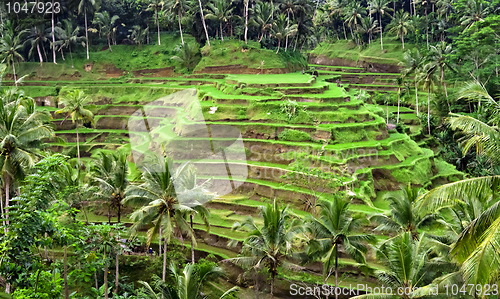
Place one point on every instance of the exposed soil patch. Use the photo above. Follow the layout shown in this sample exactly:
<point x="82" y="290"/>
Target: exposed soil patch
<point x="161" y="72"/>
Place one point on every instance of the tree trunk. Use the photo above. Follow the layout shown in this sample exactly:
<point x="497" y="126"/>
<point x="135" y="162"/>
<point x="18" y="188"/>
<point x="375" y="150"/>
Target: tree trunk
<point x="65" y="273"/>
<point x="86" y="33"/>
<point x="416" y="96"/>
<point x="192" y="241"/>
<point x="403" y="41"/>
<point x="164" y="272"/>
<point x="203" y="22"/>
<point x="14" y="72"/>
<point x="429" y="109"/>
<point x="119" y="212"/>
<point x="117" y="273"/>
<point x="78" y="145"/>
<point x="53" y="36"/>
<point x="399" y="103"/>
<point x="279" y="45"/>
<point x="159" y="243"/>
<point x="221" y="34"/>
<point x="247" y="2"/>
<point x="180" y="28"/>
<point x="7" y="182"/>
<point x="336" y="271"/>
<point x="381" y="33"/>
<point x="39" y="53"/>
<point x="158" y="28"/>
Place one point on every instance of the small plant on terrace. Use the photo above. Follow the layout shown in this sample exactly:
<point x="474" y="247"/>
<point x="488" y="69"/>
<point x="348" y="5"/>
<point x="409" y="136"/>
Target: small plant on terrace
<point x="290" y="109"/>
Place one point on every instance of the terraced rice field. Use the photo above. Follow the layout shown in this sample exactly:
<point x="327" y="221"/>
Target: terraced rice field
<point x="291" y="126"/>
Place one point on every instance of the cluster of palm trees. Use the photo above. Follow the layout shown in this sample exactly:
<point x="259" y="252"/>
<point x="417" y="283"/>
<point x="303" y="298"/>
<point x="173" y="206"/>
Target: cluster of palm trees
<point x="428" y="72"/>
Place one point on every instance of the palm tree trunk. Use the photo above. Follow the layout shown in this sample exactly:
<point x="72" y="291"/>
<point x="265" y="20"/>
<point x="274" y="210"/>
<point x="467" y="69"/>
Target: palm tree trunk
<point x="106" y="296"/>
<point x="53" y="37"/>
<point x="381" y="33"/>
<point x="14" y="72"/>
<point x="345" y="33"/>
<point x="403" y="41"/>
<point x="247" y="2"/>
<point x="399" y="103"/>
<point x="221" y="34"/>
<point x="65" y="273"/>
<point x="164" y="272"/>
<point x="192" y="241"/>
<point x="119" y="212"/>
<point x="336" y="271"/>
<point x="429" y="109"/>
<point x="416" y="96"/>
<point x="158" y="28"/>
<point x="117" y="273"/>
<point x="86" y="33"/>
<point x="180" y="28"/>
<point x="7" y="182"/>
<point x="78" y="146"/>
<point x="159" y="243"/>
<point x="203" y="22"/>
<point x="39" y="53"/>
<point x="279" y="45"/>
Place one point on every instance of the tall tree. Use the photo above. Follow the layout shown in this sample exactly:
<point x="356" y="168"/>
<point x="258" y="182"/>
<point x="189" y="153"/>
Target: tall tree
<point x="400" y="25"/>
<point x="158" y="6"/>
<point x="263" y="17"/>
<point x="269" y="245"/>
<point x="353" y="16"/>
<point x="106" y="25"/>
<point x="221" y="12"/>
<point x="75" y="102"/>
<point x="202" y="16"/>
<point x="67" y="37"/>
<point x="37" y="39"/>
<point x="426" y="76"/>
<point x="22" y="129"/>
<point x="368" y="26"/>
<point x="332" y="231"/>
<point x="380" y="7"/>
<point x="110" y="170"/>
<point x="475" y="11"/>
<point x="439" y="55"/>
<point x="86" y="7"/>
<point x="281" y="29"/>
<point x="10" y="45"/>
<point x="412" y="62"/>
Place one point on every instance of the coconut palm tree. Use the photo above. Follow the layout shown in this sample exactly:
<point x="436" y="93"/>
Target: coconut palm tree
<point x="400" y="25"/>
<point x="75" y="102"/>
<point x="380" y="7"/>
<point x="179" y="8"/>
<point x="353" y="16"/>
<point x="335" y="230"/>
<point x="160" y="206"/>
<point x="67" y="37"/>
<point x="22" y="129"/>
<point x="36" y="39"/>
<point x="86" y="7"/>
<point x="404" y="214"/>
<point x="475" y="11"/>
<point x="406" y="260"/>
<point x="10" y="45"/>
<point x="220" y="11"/>
<point x="412" y="61"/>
<point x="268" y="246"/>
<point x="202" y="16"/>
<point x="439" y="56"/>
<point x="110" y="172"/>
<point x="368" y="26"/>
<point x="158" y="6"/>
<point x="428" y="79"/>
<point x="262" y="17"/>
<point x="281" y="29"/>
<point x="188" y="284"/>
<point x="106" y="25"/>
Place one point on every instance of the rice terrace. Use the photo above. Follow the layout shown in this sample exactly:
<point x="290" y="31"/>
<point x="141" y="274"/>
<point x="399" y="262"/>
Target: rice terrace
<point x="249" y="149"/>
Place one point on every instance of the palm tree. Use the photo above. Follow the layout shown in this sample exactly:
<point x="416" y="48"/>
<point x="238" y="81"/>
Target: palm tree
<point x="368" y="26"/>
<point x="474" y="12"/>
<point x="400" y="25"/>
<point x="188" y="284"/>
<point x="179" y="8"/>
<point x="110" y="170"/>
<point x="281" y="29"/>
<point x="268" y="246"/>
<point x="404" y="215"/>
<point x="74" y="106"/>
<point x="220" y="11"/>
<point x="353" y="15"/>
<point x="246" y="8"/>
<point x="160" y="205"/>
<point x="428" y="79"/>
<point x="67" y="37"/>
<point x="412" y="62"/>
<point x="22" y="129"/>
<point x="338" y="8"/>
<point x="203" y="22"/>
<point x="158" y="6"/>
<point x="406" y="260"/>
<point x="36" y="39"/>
<point x="106" y="25"/>
<point x="439" y="56"/>
<point x="333" y="230"/>
<point x="262" y="17"/>
<point x="10" y="44"/>
<point x="187" y="56"/>
<point x="380" y="7"/>
<point x="86" y="7"/>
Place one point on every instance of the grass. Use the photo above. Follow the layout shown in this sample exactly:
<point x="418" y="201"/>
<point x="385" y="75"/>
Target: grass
<point x="392" y="53"/>
<point x="289" y="78"/>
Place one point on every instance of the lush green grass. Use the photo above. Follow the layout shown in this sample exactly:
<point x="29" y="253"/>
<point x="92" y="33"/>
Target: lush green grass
<point x="230" y="52"/>
<point x="392" y="53"/>
<point x="289" y="78"/>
